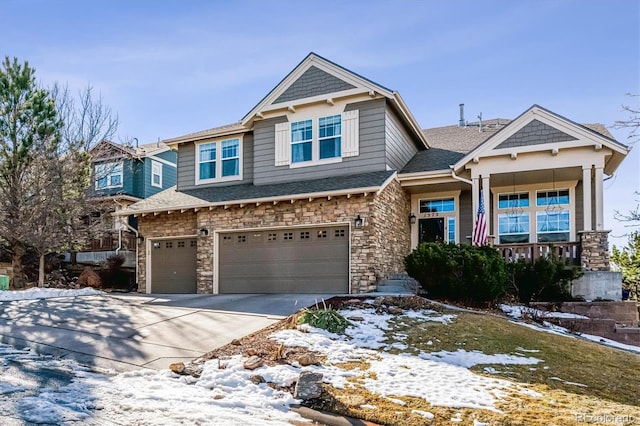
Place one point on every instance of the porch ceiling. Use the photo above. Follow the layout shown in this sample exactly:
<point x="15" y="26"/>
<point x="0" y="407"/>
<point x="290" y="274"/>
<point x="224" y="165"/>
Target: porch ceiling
<point x="536" y="176"/>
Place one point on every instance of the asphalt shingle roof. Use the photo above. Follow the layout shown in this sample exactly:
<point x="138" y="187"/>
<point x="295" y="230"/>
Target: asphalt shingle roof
<point x="171" y="199"/>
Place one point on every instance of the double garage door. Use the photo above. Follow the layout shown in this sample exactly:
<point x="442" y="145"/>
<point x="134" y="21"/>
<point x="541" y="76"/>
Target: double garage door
<point x="293" y="260"/>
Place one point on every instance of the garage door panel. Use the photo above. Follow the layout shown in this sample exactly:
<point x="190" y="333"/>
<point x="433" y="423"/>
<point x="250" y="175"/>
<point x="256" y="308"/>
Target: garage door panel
<point x="308" y="260"/>
<point x="173" y="266"/>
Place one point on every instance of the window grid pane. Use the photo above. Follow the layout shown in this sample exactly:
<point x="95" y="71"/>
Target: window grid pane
<point x="446" y="205"/>
<point x="545" y="198"/>
<point x="301" y="141"/>
<point x="507" y="201"/>
<point x="330" y="131"/>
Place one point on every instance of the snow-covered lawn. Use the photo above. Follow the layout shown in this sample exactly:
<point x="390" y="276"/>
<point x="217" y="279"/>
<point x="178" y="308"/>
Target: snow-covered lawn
<point x="39" y="389"/>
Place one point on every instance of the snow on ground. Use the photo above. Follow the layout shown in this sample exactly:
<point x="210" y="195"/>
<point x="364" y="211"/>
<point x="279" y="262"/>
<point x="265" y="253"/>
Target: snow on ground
<point x="44" y="293"/>
<point x="518" y="311"/>
<point x="547" y="327"/>
<point x="440" y="378"/>
<point x="42" y="390"/>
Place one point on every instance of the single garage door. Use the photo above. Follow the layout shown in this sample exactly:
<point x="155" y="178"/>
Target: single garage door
<point x="173" y="266"/>
<point x="294" y="260"/>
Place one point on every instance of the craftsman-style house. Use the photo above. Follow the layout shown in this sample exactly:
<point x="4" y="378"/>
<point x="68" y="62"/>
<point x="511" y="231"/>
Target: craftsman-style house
<point x="329" y="181"/>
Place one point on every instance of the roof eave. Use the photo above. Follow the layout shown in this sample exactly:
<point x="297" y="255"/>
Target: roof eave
<point x="321" y="194"/>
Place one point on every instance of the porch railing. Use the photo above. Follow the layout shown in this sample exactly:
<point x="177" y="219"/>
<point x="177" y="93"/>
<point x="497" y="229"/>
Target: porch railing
<point x="108" y="242"/>
<point x="569" y="251"/>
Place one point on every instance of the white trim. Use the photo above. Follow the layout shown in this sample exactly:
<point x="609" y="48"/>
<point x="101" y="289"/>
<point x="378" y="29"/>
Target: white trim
<point x="415" y="209"/>
<point x="218" y="232"/>
<point x="156" y="165"/>
<point x="532" y="191"/>
<point x="218" y="161"/>
<point x="585" y="137"/>
<point x="163" y="161"/>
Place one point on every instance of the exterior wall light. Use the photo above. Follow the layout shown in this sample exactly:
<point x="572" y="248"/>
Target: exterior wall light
<point x="358" y="222"/>
<point x="140" y="239"/>
<point x="204" y="232"/>
<point x="412" y="219"/>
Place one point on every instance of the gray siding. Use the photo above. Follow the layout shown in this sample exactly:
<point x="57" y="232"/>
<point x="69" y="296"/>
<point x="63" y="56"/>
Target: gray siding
<point x="371" y="158"/>
<point x="535" y="133"/>
<point x="313" y="82"/>
<point x="466" y="216"/>
<point x="400" y="147"/>
<point x="187" y="165"/>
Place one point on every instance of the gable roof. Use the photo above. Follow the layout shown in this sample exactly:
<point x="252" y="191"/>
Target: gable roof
<point x="104" y="147"/>
<point x="330" y="78"/>
<point x="172" y="199"/>
<point x="453" y="144"/>
<point x="577" y="134"/>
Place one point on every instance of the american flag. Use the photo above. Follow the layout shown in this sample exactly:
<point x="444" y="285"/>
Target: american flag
<point x="480" y="226"/>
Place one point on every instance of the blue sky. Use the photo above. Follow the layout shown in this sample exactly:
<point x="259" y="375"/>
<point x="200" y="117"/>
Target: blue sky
<point x="170" y="67"/>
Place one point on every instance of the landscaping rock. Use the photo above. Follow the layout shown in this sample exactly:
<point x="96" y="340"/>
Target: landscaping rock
<point x="309" y="386"/>
<point x="253" y="362"/>
<point x="89" y="278"/>
<point x="236" y="342"/>
<point x="256" y="379"/>
<point x="394" y="310"/>
<point x="308" y="359"/>
<point x="177" y="367"/>
<point x="359" y="319"/>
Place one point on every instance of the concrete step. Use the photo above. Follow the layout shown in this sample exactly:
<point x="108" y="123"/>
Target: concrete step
<point x="394" y="289"/>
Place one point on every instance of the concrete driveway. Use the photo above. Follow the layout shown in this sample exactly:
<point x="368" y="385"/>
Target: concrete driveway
<point x="127" y="331"/>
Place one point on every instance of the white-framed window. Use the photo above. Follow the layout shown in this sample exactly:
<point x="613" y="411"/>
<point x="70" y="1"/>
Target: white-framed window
<point x="156" y="174"/>
<point x="317" y="140"/>
<point x="302" y="141"/>
<point x="437" y="219"/>
<point x="547" y="220"/>
<point x="513" y="228"/>
<point x="219" y="160"/>
<point x="108" y="175"/>
<point x="313" y="140"/>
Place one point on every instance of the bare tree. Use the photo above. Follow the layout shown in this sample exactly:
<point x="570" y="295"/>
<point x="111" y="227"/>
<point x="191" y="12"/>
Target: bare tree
<point x="632" y="122"/>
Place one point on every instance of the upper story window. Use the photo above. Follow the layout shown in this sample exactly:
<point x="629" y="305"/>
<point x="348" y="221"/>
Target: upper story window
<point x="550" y="198"/>
<point x="108" y="175"/>
<point x="156" y="174"/>
<point x="317" y="140"/>
<point x="219" y="160"/>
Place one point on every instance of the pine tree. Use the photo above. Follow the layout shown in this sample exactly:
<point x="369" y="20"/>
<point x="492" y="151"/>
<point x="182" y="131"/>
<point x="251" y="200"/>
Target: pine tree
<point x="29" y="131"/>
<point x="628" y="261"/>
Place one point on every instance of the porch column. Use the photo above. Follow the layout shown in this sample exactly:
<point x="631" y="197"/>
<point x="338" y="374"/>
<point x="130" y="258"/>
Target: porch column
<point x="475" y="197"/>
<point x="586" y="198"/>
<point x="599" y="199"/>
<point x="486" y="191"/>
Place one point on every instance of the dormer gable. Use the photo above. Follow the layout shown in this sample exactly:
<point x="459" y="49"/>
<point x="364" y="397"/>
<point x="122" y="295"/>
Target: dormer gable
<point x="537" y="130"/>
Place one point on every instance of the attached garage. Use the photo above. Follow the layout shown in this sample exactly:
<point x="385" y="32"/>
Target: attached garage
<point x="291" y="260"/>
<point x="173" y="265"/>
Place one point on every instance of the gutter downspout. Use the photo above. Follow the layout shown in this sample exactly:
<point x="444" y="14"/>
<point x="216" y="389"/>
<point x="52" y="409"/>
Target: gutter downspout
<point x="461" y="179"/>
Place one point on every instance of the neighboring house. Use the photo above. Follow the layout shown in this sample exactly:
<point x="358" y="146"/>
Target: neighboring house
<point x="329" y="182"/>
<point x="123" y="175"/>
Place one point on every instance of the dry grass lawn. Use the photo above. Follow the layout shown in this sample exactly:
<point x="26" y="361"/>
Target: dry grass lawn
<point x="579" y="382"/>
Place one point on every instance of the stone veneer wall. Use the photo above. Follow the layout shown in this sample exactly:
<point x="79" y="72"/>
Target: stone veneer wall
<point x="392" y="230"/>
<point x="284" y="214"/>
<point x="175" y="224"/>
<point x="594" y="254"/>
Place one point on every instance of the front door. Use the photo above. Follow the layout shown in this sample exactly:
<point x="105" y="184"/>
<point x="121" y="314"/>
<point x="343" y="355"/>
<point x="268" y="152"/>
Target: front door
<point x="431" y="230"/>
